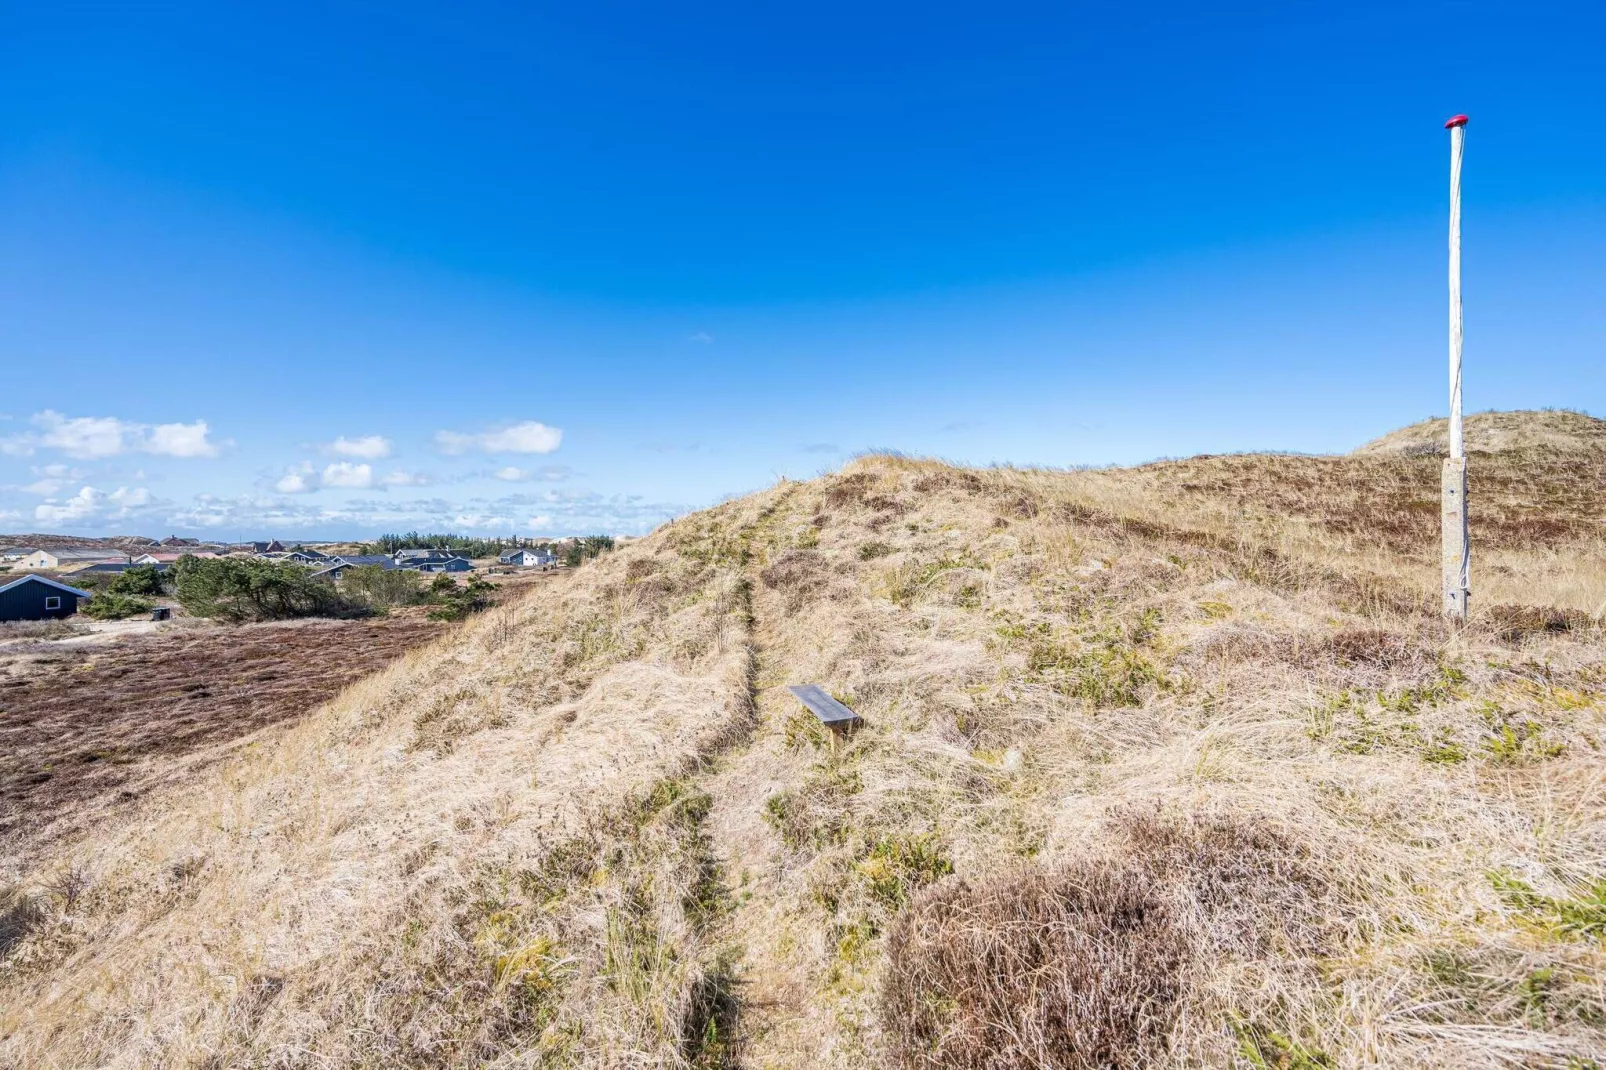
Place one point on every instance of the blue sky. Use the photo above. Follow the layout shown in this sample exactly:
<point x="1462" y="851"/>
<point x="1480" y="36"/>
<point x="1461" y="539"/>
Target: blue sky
<point x="330" y="270"/>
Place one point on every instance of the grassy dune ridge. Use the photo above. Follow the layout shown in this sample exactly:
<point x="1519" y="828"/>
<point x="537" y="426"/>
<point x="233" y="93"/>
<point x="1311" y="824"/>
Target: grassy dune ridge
<point x="1169" y="765"/>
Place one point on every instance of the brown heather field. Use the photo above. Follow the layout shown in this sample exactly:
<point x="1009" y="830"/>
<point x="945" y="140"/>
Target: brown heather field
<point x="1166" y="766"/>
<point x="89" y="726"/>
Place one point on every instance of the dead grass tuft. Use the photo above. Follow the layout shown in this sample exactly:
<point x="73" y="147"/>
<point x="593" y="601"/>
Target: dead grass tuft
<point x="1079" y="967"/>
<point x="20" y="913"/>
<point x="1516" y="623"/>
<point x="1087" y="964"/>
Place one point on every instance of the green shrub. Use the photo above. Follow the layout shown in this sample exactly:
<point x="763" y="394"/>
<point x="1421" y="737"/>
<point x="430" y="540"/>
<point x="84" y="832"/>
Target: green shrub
<point x="141" y="579"/>
<point x="249" y="589"/>
<point x="582" y="550"/>
<point x="381" y="588"/>
<point x="110" y="606"/>
<point x="455" y="603"/>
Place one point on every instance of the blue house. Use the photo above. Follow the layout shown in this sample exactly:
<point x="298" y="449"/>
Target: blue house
<point x="36" y="598"/>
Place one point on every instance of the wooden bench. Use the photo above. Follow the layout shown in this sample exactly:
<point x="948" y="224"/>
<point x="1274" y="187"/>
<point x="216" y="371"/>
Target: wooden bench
<point x="831" y="713"/>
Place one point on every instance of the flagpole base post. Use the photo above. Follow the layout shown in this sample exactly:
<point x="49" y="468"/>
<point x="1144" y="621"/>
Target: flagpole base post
<point x="1457" y="543"/>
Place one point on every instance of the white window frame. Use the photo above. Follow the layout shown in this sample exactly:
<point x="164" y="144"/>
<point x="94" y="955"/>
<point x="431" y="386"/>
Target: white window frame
<point x="52" y="601"/>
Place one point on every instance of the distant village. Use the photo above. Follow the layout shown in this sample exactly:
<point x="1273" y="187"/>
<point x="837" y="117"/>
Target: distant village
<point x="48" y="587"/>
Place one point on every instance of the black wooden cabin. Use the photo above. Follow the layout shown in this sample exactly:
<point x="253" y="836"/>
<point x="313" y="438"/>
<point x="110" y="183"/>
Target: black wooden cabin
<point x="37" y="598"/>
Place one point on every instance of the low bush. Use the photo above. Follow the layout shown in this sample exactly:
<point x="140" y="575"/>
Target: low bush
<point x="139" y="580"/>
<point x="1086" y="965"/>
<point x="110" y="606"/>
<point x="240" y="589"/>
<point x="381" y="588"/>
<point x="1076" y="968"/>
<point x="456" y="603"/>
<point x="582" y="550"/>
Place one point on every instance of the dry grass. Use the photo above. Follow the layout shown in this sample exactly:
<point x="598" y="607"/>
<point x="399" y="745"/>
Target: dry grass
<point x="1187" y="743"/>
<point x="1092" y="962"/>
<point x="1078" y="968"/>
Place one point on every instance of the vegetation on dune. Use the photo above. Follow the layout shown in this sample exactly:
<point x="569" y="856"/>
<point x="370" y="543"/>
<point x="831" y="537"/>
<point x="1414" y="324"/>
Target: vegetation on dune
<point x="248" y="589"/>
<point x="254" y="590"/>
<point x="454" y="602"/>
<point x="110" y="605"/>
<point x="139" y="580"/>
<point x="1166" y="766"/>
<point x="381" y="589"/>
<point x="587" y="548"/>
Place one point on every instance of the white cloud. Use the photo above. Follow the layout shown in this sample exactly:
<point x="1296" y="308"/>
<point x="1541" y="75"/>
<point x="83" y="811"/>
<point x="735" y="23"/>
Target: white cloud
<point x="54" y="477"/>
<point x="701" y="336"/>
<point x="98" y="437"/>
<point x="474" y="521"/>
<point x="298" y="480"/>
<point x="551" y="473"/>
<point x="304" y="478"/>
<point x="90" y="504"/>
<point x="86" y="437"/>
<point x="179" y="440"/>
<point x="367" y="447"/>
<point x="541" y="522"/>
<point x="346" y="474"/>
<point x="527" y="437"/>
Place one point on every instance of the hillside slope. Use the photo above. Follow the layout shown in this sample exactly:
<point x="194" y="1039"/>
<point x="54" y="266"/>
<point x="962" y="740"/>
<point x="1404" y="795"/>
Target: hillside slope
<point x="1171" y="765"/>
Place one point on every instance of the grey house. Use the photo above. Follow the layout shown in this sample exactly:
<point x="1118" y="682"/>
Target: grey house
<point x="36" y="598"/>
<point x="527" y="557"/>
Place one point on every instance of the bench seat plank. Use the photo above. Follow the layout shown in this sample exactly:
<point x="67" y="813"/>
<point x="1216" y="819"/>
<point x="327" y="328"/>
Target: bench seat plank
<point x="827" y="709"/>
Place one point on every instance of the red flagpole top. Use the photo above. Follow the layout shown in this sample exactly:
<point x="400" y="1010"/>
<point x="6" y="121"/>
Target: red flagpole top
<point x="1456" y="120"/>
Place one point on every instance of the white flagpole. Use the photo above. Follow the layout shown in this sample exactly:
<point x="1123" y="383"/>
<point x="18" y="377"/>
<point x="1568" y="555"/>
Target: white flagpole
<point x="1456" y="536"/>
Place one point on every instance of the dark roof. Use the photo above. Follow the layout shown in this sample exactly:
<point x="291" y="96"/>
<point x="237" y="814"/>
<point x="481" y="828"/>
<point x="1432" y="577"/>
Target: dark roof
<point x="382" y="560"/>
<point x="41" y="579"/>
<point x="508" y="555"/>
<point x="119" y="567"/>
<point x="83" y="553"/>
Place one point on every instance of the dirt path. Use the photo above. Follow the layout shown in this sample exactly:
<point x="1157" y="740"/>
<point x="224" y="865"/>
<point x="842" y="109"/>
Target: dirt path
<point x="773" y="1022"/>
